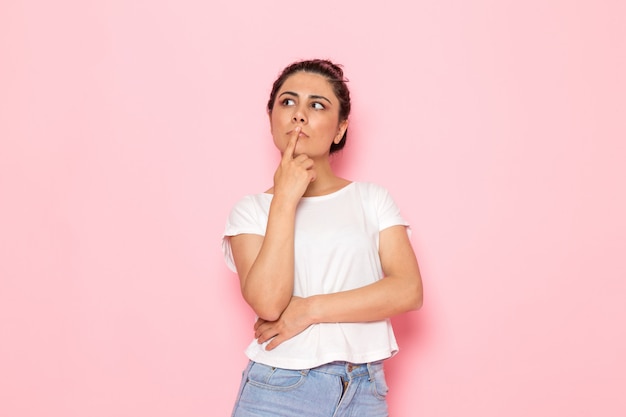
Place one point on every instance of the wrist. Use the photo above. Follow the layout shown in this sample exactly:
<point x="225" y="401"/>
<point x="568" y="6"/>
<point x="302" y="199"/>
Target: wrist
<point x="283" y="203"/>
<point x="314" y="309"/>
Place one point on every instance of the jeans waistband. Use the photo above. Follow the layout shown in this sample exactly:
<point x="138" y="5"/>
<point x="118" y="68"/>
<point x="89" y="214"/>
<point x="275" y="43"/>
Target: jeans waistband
<point x="349" y="370"/>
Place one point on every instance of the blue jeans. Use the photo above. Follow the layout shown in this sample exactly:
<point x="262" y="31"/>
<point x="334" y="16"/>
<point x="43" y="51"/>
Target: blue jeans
<point x="332" y="390"/>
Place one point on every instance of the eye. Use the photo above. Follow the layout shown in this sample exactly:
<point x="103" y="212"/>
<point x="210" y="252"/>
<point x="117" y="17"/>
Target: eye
<point x="317" y="105"/>
<point x="288" y="102"/>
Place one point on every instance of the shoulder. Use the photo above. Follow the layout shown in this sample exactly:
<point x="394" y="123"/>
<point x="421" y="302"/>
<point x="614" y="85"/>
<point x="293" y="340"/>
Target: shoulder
<point x="251" y="204"/>
<point x="379" y="198"/>
<point x="249" y="215"/>
<point x="253" y="199"/>
<point x="372" y="190"/>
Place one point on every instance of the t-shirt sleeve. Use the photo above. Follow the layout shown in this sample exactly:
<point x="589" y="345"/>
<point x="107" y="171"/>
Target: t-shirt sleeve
<point x="243" y="218"/>
<point x="387" y="211"/>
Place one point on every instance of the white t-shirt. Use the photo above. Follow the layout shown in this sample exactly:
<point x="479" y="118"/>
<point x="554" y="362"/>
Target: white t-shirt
<point x="336" y="249"/>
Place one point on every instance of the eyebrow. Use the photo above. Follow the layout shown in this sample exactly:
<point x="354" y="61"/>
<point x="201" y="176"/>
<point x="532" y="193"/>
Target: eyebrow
<point x="312" y="96"/>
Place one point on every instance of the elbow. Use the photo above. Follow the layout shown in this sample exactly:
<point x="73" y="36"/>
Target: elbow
<point x="415" y="303"/>
<point x="268" y="310"/>
<point x="267" y="313"/>
<point x="416" y="299"/>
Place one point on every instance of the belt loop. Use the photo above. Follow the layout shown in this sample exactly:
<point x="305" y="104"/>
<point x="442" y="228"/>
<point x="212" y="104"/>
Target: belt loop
<point x="369" y="372"/>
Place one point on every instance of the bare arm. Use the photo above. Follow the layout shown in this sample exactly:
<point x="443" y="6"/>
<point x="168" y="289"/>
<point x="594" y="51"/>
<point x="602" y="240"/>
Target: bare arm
<point x="265" y="265"/>
<point x="399" y="291"/>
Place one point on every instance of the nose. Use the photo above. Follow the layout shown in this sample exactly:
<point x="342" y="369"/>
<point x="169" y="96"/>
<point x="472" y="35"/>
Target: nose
<point x="299" y="116"/>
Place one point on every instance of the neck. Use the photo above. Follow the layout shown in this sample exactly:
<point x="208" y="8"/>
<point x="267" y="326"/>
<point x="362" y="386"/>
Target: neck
<point x="326" y="181"/>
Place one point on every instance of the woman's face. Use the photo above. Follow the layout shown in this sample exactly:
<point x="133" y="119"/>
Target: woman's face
<point x="307" y="100"/>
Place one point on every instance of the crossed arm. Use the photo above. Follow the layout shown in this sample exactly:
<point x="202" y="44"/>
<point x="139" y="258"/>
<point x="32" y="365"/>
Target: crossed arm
<point x="267" y="285"/>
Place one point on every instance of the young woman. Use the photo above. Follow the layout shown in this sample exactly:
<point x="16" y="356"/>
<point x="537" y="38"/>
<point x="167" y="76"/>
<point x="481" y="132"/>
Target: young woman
<point x="324" y="262"/>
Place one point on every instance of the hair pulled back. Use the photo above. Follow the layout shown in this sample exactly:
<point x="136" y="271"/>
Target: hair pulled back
<point x="333" y="74"/>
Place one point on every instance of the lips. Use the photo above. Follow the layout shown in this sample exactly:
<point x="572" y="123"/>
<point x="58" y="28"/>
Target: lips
<point x="301" y="134"/>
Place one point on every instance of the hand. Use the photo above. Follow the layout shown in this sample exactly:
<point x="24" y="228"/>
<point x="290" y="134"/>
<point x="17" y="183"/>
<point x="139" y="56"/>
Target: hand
<point x="293" y="321"/>
<point x="294" y="174"/>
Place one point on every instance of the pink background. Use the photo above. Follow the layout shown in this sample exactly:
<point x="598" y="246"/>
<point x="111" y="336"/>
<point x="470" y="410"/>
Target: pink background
<point x="129" y="128"/>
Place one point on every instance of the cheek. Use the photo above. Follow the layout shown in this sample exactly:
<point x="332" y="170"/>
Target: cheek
<point x="274" y="126"/>
<point x="328" y="126"/>
<point x="279" y="141"/>
<point x="278" y="120"/>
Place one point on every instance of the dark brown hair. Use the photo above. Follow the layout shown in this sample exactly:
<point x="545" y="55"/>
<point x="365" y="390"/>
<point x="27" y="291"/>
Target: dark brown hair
<point x="333" y="73"/>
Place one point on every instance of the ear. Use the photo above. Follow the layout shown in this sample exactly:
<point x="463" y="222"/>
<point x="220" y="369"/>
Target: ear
<point x="342" y="129"/>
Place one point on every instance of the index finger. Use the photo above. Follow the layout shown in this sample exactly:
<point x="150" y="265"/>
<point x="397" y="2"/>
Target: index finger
<point x="291" y="145"/>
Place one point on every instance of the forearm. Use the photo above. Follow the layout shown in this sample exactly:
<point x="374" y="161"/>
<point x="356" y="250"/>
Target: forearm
<point x="399" y="291"/>
<point x="268" y="285"/>
<point x="383" y="299"/>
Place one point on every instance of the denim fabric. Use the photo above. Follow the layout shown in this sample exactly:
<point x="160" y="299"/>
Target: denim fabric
<point x="336" y="389"/>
